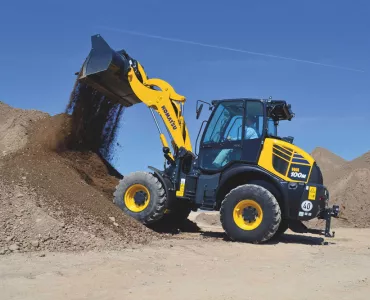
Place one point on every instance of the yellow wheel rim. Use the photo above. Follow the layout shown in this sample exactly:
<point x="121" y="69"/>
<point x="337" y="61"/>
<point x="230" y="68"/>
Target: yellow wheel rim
<point x="248" y="214"/>
<point x="137" y="198"/>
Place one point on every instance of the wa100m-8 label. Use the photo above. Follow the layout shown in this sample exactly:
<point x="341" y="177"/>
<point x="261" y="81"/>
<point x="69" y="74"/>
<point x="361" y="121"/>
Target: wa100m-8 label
<point x="299" y="172"/>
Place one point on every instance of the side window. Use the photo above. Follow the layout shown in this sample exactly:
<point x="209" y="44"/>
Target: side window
<point x="271" y="127"/>
<point x="213" y="134"/>
<point x="254" y="120"/>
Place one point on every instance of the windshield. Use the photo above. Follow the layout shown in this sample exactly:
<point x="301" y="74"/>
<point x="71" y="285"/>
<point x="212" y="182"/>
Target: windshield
<point x="226" y="123"/>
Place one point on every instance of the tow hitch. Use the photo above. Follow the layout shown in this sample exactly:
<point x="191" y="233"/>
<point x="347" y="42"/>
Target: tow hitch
<point x="327" y="214"/>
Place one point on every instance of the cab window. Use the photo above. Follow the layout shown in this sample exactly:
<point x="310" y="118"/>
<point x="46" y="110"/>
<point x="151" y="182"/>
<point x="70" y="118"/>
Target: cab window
<point x="226" y="123"/>
<point x="254" y="120"/>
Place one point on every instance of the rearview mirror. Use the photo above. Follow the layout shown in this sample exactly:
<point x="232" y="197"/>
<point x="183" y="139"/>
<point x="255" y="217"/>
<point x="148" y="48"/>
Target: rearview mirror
<point x="199" y="110"/>
<point x="200" y="107"/>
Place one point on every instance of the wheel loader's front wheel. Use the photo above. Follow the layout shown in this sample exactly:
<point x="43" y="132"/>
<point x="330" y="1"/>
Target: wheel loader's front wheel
<point x="142" y="196"/>
<point x="250" y="213"/>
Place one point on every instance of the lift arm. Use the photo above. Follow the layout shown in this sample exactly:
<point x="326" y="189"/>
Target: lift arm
<point x="166" y="102"/>
<point x="122" y="79"/>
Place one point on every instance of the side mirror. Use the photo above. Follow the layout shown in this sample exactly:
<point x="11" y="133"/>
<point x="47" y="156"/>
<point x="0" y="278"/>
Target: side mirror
<point x="199" y="110"/>
<point x="200" y="107"/>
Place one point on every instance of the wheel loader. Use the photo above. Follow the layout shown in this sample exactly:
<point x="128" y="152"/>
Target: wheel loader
<point x="261" y="183"/>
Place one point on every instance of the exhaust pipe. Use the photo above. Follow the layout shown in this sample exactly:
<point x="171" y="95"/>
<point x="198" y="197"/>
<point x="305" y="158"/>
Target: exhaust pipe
<point x="106" y="71"/>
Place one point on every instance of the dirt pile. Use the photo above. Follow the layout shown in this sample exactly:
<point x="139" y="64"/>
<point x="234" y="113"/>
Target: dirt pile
<point x="13" y="127"/>
<point x="53" y="198"/>
<point x="349" y="186"/>
<point x="328" y="162"/>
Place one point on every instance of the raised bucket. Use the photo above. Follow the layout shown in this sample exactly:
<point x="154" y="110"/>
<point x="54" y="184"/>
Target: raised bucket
<point x="106" y="71"/>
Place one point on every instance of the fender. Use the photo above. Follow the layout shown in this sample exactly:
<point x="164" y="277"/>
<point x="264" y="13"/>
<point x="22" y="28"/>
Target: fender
<point x="254" y="174"/>
<point x="167" y="185"/>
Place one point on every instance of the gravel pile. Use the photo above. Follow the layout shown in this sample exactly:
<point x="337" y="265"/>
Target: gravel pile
<point x="54" y="199"/>
<point x="349" y="186"/>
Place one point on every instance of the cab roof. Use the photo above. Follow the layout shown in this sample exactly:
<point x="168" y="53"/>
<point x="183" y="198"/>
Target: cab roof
<point x="276" y="109"/>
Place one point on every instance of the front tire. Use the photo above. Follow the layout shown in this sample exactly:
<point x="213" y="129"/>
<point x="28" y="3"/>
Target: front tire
<point x="141" y="195"/>
<point x="250" y="213"/>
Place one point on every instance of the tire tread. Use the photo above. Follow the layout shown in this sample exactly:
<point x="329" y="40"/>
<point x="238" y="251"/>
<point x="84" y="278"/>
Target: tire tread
<point x="152" y="181"/>
<point x="273" y="227"/>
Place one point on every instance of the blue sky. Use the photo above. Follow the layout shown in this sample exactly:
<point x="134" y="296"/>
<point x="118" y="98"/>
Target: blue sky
<point x="45" y="42"/>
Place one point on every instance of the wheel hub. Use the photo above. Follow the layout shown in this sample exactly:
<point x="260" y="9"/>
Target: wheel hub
<point x="140" y="198"/>
<point x="137" y="198"/>
<point x="250" y="214"/>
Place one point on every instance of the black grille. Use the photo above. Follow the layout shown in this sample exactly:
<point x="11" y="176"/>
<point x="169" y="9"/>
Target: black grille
<point x="280" y="153"/>
<point x="280" y="165"/>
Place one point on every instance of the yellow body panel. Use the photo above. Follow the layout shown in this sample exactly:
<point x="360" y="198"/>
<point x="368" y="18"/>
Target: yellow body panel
<point x="181" y="191"/>
<point x="286" y="160"/>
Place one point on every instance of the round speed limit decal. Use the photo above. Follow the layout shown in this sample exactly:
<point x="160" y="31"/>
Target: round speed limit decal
<point x="306" y="205"/>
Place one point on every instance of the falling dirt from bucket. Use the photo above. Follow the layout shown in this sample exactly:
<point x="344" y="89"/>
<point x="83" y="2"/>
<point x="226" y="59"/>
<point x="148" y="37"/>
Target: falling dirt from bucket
<point x="95" y="121"/>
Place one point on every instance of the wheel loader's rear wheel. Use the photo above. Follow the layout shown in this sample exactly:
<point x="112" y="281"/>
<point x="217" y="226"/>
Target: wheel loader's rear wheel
<point x="142" y="196"/>
<point x="283" y="227"/>
<point x="250" y="213"/>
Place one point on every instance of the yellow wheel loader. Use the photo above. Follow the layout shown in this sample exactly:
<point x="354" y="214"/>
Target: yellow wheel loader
<point x="261" y="183"/>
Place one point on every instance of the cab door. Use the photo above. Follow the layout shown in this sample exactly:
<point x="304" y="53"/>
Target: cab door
<point x="222" y="141"/>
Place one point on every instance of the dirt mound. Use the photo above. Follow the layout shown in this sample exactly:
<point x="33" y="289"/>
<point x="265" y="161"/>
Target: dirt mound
<point x="69" y="191"/>
<point x="328" y="162"/>
<point x="350" y="188"/>
<point x="208" y="219"/>
<point x="14" y="125"/>
<point x="28" y="223"/>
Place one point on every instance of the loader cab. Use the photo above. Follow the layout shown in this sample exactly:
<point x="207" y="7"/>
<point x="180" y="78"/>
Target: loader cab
<point x="236" y="130"/>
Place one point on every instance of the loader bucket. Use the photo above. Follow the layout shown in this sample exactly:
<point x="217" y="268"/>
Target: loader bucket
<point x="106" y="71"/>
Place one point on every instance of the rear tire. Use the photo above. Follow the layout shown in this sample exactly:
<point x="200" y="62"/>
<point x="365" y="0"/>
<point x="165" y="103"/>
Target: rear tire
<point x="142" y="196"/>
<point x="250" y="213"/>
<point x="283" y="227"/>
